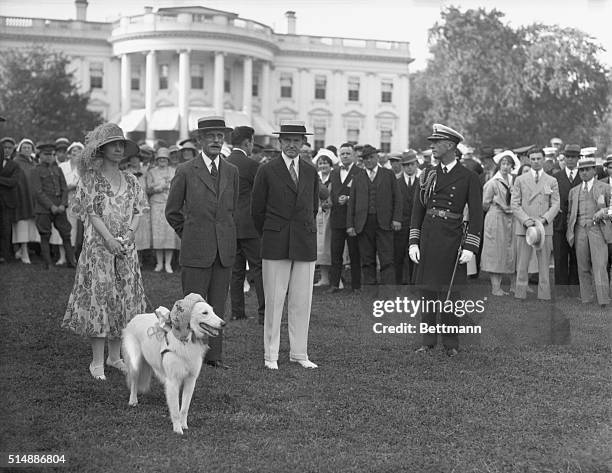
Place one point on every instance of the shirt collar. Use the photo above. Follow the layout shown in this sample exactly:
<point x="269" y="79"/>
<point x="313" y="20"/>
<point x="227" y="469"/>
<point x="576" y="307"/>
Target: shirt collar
<point x="350" y="166"/>
<point x="569" y="171"/>
<point x="288" y="161"/>
<point x="449" y="166"/>
<point x="241" y="150"/>
<point x="589" y="184"/>
<point x="208" y="161"/>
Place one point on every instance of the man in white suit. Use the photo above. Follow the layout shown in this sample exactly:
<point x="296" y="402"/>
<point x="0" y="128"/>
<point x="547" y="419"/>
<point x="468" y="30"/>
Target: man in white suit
<point x="535" y="197"/>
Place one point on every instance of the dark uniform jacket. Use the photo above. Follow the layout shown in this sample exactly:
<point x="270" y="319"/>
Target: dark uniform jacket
<point x="439" y="236"/>
<point x="49" y="188"/>
<point x="203" y="219"/>
<point x="560" y="222"/>
<point x="337" y="217"/>
<point x="388" y="200"/>
<point x="285" y="215"/>
<point x="247" y="169"/>
<point x="9" y="177"/>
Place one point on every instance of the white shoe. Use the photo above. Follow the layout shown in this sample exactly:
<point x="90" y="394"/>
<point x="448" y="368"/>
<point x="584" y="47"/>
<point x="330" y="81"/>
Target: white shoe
<point x="304" y="363"/>
<point x="247" y="287"/>
<point x="60" y="262"/>
<point x="169" y="269"/>
<point x="341" y="285"/>
<point x="18" y="254"/>
<point x="271" y="365"/>
<point x="321" y="283"/>
<point x="158" y="268"/>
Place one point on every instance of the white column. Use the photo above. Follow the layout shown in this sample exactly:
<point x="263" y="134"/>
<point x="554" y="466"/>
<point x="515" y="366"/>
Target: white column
<point x="126" y="77"/>
<point x="247" y="89"/>
<point x="264" y="92"/>
<point x="150" y="90"/>
<point x="338" y="97"/>
<point x="303" y="94"/>
<point x="370" y="99"/>
<point x="218" y="83"/>
<point x="403" y="102"/>
<point x="183" y="93"/>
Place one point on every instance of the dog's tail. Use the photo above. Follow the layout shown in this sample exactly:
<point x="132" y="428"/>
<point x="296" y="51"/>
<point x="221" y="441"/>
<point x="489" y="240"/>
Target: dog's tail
<point x="139" y="371"/>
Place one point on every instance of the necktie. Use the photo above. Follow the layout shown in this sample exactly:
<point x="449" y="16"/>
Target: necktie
<point x="411" y="180"/>
<point x="344" y="168"/>
<point x="573" y="175"/>
<point x="293" y="173"/>
<point x="537" y="176"/>
<point x="372" y="175"/>
<point x="213" y="170"/>
<point x="444" y="170"/>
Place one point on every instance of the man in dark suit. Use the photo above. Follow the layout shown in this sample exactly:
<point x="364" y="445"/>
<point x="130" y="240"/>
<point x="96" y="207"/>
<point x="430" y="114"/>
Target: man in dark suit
<point x="9" y="176"/>
<point x="285" y="201"/>
<point x="248" y="242"/>
<point x="374" y="213"/>
<point x="341" y="181"/>
<point x="566" y="267"/>
<point x="201" y="204"/>
<point x="408" y="182"/>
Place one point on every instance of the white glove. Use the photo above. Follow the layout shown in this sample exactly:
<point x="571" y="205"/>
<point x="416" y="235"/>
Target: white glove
<point x="414" y="253"/>
<point x="466" y="256"/>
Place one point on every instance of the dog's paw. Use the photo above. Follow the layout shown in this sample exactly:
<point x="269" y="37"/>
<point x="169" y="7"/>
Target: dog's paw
<point x="184" y="425"/>
<point x="133" y="403"/>
<point x="178" y="429"/>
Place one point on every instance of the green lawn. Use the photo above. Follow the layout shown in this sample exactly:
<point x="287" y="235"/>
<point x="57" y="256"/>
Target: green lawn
<point x="531" y="394"/>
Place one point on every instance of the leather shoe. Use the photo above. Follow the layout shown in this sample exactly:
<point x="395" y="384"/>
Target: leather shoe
<point x="451" y="352"/>
<point x="217" y="364"/>
<point x="424" y="349"/>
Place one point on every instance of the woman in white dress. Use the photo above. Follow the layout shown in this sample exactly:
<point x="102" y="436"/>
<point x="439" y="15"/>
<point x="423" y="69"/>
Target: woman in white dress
<point x="71" y="174"/>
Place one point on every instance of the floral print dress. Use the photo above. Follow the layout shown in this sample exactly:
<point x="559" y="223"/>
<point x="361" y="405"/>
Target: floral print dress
<point x="108" y="289"/>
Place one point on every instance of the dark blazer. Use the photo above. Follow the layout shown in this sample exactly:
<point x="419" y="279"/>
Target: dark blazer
<point x="408" y="197"/>
<point x="388" y="200"/>
<point x="560" y="222"/>
<point x="203" y="220"/>
<point x="247" y="169"/>
<point x="9" y="177"/>
<point x="285" y="215"/>
<point x="337" y="216"/>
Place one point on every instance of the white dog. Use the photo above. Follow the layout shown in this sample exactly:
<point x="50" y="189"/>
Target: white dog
<point x="169" y="343"/>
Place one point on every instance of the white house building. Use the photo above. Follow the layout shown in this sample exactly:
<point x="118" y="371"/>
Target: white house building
<point x="157" y="72"/>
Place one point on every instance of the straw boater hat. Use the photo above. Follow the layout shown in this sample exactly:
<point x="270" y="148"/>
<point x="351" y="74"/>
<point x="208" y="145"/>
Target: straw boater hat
<point x="180" y="315"/>
<point x="213" y="122"/>
<point x="584" y="163"/>
<point x="535" y="235"/>
<point x="292" y="127"/>
<point x="98" y="137"/>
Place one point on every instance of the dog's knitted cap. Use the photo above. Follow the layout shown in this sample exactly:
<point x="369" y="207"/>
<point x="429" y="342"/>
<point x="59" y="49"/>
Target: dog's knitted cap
<point x="180" y="315"/>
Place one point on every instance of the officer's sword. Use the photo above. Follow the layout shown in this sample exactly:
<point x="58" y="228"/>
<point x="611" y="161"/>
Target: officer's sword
<point x="463" y="237"/>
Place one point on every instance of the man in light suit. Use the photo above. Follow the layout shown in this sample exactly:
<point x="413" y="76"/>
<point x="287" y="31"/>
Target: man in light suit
<point x="285" y="201"/>
<point x="588" y="205"/>
<point x="201" y="204"/>
<point x="248" y="241"/>
<point x="374" y="213"/>
<point x="535" y="196"/>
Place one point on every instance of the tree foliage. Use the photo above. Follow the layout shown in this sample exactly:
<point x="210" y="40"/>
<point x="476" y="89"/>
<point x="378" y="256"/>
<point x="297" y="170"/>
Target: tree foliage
<point x="509" y="87"/>
<point x="39" y="97"/>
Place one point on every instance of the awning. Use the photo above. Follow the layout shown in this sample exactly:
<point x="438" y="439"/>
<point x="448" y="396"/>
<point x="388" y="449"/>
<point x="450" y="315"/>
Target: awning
<point x="198" y="112"/>
<point x="133" y="121"/>
<point x="261" y="126"/>
<point x="165" y="118"/>
<point x="234" y="118"/>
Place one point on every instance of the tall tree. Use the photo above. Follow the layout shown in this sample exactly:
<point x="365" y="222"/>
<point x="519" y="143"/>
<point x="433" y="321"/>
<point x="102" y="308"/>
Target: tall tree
<point x="39" y="96"/>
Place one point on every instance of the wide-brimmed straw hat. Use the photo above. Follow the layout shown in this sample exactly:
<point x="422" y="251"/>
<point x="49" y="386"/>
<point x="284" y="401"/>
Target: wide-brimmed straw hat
<point x="100" y="136"/>
<point x="535" y="235"/>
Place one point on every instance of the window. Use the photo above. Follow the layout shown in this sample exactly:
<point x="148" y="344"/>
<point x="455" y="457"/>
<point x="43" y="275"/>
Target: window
<point x="255" y="87"/>
<point x="135" y="78"/>
<point x="385" y="141"/>
<point x="352" y="135"/>
<point x="163" y="76"/>
<point x="96" y="74"/>
<point x="320" y="86"/>
<point x="227" y="79"/>
<point x="197" y="76"/>
<point x="286" y="84"/>
<point x="353" y="89"/>
<point x="386" y="94"/>
<point x="319" y="137"/>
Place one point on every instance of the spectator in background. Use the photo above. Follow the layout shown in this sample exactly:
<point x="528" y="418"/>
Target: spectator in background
<point x="551" y="166"/>
<point x="333" y="149"/>
<point x="24" y="229"/>
<point x="142" y="235"/>
<point x="8" y="144"/>
<point x="188" y="151"/>
<point x="108" y="288"/>
<point x="557" y="143"/>
<point x="324" y="165"/>
<point x="164" y="240"/>
<point x="61" y="150"/>
<point x="383" y="160"/>
<point x="396" y="164"/>
<point x="358" y="149"/>
<point x="306" y="152"/>
<point x="71" y="174"/>
<point x="174" y="156"/>
<point x="9" y="178"/>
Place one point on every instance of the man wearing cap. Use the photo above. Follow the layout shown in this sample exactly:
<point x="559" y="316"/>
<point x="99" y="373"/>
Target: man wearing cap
<point x="285" y="202"/>
<point x="588" y="205"/>
<point x="201" y="203"/>
<point x="374" y="213"/>
<point x="437" y="228"/>
<point x="61" y="149"/>
<point x="566" y="269"/>
<point x="535" y="198"/>
<point x="8" y="144"/>
<point x="248" y="245"/>
<point x="396" y="164"/>
<point x="50" y="202"/>
<point x="408" y="183"/>
<point x="551" y="166"/>
<point x="341" y="180"/>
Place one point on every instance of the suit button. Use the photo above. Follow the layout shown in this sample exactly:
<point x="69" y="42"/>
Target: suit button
<point x="452" y="195"/>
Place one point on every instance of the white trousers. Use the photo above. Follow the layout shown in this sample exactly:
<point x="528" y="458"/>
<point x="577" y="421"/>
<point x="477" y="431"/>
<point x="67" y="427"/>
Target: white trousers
<point x="293" y="279"/>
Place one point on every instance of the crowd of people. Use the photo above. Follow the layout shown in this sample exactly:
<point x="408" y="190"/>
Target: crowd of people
<point x="243" y="215"/>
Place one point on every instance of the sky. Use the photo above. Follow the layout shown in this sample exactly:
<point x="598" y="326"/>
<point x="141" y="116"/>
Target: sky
<point x="392" y="20"/>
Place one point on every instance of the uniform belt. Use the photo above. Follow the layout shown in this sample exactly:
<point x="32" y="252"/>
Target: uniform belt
<point x="444" y="214"/>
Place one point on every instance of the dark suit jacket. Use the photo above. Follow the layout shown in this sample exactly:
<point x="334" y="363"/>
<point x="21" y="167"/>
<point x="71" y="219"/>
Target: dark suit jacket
<point x="247" y="168"/>
<point x="408" y="199"/>
<point x="9" y="177"/>
<point x="388" y="200"/>
<point x="203" y="220"/>
<point x="560" y="223"/>
<point x="337" y="216"/>
<point x="285" y="215"/>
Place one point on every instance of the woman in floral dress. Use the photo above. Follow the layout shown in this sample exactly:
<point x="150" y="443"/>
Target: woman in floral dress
<point x="108" y="288"/>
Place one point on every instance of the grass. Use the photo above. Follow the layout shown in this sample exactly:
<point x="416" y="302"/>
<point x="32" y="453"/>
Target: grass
<point x="532" y="394"/>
